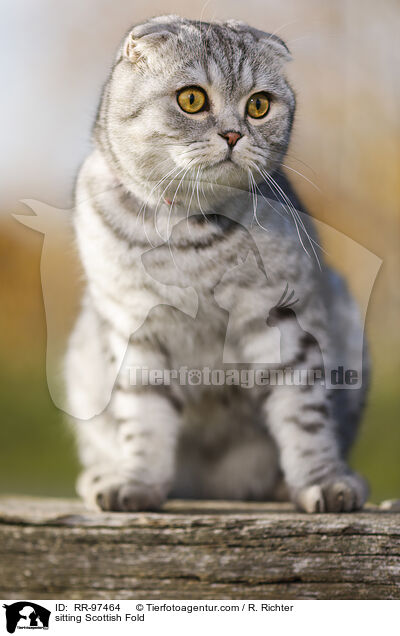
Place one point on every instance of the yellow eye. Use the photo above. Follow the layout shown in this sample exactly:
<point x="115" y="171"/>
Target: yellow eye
<point x="192" y="100"/>
<point x="258" y="105"/>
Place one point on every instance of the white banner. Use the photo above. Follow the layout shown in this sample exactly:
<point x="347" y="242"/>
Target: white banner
<point x="183" y="617"/>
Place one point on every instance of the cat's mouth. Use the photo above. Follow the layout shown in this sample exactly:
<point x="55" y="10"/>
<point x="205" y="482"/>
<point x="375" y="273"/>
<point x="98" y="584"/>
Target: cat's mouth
<point x="224" y="172"/>
<point x="228" y="161"/>
<point x="222" y="162"/>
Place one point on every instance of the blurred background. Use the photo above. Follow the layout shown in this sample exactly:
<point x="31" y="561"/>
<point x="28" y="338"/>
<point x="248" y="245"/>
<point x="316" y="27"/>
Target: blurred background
<point x="54" y="59"/>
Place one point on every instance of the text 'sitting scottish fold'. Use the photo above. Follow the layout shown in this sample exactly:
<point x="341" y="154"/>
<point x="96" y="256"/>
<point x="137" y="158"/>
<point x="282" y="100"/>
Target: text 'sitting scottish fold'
<point x="183" y="196"/>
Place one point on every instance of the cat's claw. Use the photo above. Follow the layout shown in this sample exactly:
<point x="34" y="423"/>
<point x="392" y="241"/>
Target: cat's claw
<point x="117" y="492"/>
<point x="342" y="494"/>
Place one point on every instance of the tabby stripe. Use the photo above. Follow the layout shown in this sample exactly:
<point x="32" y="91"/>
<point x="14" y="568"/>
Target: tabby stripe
<point x="160" y="389"/>
<point x="300" y="358"/>
<point x="307" y="341"/>
<point x="308" y="427"/>
<point x="107" y="325"/>
<point x="119" y="232"/>
<point x="317" y="408"/>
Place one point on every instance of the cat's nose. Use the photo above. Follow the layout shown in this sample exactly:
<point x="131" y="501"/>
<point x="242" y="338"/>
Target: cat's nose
<point x="231" y="136"/>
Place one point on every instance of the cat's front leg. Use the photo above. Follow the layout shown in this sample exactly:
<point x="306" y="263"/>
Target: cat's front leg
<point x="319" y="480"/>
<point x="146" y="422"/>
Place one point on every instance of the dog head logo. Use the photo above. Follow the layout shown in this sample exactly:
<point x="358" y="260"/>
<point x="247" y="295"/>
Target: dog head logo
<point x="26" y="615"/>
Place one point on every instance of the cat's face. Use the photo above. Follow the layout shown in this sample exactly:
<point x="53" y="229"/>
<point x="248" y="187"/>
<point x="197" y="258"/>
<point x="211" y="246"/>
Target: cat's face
<point x="195" y="106"/>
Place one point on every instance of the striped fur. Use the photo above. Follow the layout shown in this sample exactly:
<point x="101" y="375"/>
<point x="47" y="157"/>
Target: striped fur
<point x="181" y="274"/>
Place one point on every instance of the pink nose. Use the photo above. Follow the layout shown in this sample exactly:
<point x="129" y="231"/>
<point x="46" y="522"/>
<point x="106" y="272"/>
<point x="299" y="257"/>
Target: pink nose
<point x="231" y="137"/>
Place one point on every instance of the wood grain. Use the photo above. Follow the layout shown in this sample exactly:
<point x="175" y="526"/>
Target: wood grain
<point x="53" y="548"/>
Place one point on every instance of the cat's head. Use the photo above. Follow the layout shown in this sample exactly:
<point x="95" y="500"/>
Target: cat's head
<point x="192" y="101"/>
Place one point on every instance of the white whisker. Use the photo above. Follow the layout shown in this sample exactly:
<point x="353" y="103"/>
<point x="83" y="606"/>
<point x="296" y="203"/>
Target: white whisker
<point x="303" y="176"/>
<point x="296" y="217"/>
<point x="141" y="212"/>
<point x="254" y="196"/>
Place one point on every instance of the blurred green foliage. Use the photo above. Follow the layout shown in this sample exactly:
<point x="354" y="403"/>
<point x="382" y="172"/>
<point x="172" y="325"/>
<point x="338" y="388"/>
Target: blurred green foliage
<point x="376" y="454"/>
<point x="37" y="454"/>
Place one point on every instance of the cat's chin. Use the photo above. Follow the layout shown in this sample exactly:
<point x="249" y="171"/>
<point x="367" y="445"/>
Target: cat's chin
<point x="226" y="173"/>
<point x="214" y="184"/>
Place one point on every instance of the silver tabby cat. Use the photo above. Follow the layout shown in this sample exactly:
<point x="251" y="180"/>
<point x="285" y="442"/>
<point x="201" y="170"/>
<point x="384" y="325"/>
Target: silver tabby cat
<point x="183" y="198"/>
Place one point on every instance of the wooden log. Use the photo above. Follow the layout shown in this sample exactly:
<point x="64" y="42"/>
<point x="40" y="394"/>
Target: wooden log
<point x="53" y="548"/>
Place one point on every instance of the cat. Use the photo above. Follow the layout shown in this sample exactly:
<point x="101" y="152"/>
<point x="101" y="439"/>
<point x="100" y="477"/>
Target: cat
<point x="184" y="178"/>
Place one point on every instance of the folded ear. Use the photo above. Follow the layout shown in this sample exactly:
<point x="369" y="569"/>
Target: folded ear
<point x="270" y="40"/>
<point x="144" y="39"/>
<point x="279" y="47"/>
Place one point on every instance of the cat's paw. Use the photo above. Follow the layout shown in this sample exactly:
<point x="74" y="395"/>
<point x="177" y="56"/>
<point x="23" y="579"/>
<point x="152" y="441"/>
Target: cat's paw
<point x="343" y="493"/>
<point x="119" y="492"/>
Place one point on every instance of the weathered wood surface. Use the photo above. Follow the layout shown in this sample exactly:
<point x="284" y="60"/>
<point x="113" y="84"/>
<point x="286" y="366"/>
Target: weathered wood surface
<point x="55" y="548"/>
